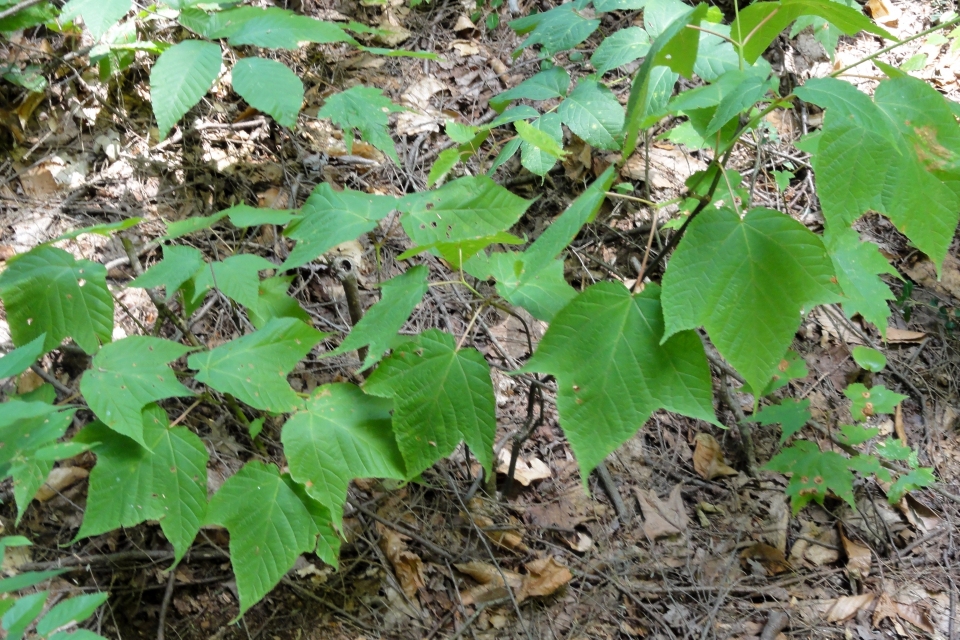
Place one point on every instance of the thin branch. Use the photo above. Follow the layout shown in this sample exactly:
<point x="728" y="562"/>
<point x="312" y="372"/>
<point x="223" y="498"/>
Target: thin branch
<point x="26" y="4"/>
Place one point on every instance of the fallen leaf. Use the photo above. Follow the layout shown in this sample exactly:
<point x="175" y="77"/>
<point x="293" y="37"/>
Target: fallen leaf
<point x="465" y="47"/>
<point x="770" y="558"/>
<point x="464" y="23"/>
<point x="828" y="549"/>
<point x="407" y="565"/>
<point x="60" y="479"/>
<point x="662" y="519"/>
<point x="858" y="558"/>
<point x="708" y="458"/>
<point x="895" y="335"/>
<point x="500" y="536"/>
<point x="846" y="607"/>
<point x="668" y="167"/>
<point x="886" y="608"/>
<point x="883" y="11"/>
<point x="527" y="469"/>
<point x="578" y="541"/>
<point x="924" y="273"/>
<point x="834" y="328"/>
<point x="545" y="576"/>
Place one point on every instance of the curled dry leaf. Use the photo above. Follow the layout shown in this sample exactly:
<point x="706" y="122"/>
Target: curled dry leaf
<point x="770" y="558"/>
<point x="662" y="519"/>
<point x="60" y="479"/>
<point x="464" y="23"/>
<point x="846" y="607"/>
<point x="543" y="578"/>
<point x="527" y="469"/>
<point x="407" y="565"/>
<point x="858" y="558"/>
<point x="708" y="458"/>
<point x="884" y="12"/>
<point x="899" y="336"/>
<point x="500" y="536"/>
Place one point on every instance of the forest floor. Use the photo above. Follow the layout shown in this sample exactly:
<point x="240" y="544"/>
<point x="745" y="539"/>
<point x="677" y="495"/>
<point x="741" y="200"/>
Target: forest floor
<point x="700" y="550"/>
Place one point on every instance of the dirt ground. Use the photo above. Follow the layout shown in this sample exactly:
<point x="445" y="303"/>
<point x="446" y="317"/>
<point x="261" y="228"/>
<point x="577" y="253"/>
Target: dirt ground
<point x="697" y="549"/>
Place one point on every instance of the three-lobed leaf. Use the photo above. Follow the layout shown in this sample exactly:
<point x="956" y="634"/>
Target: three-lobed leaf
<point x="164" y="480"/>
<point x="47" y="290"/>
<point x="254" y="368"/>
<point x="126" y="376"/>
<point x="442" y="396"/>
<point x="814" y="474"/>
<point x="367" y="110"/>
<point x="614" y="368"/>
<point x="746" y="282"/>
<point x="341" y="434"/>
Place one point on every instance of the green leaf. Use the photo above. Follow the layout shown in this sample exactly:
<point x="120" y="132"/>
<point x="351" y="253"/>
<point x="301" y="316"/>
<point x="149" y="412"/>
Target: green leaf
<point x="269" y="528"/>
<point x="505" y="154"/>
<point x="18" y="360"/>
<point x="243" y="215"/>
<point x="29" y="579"/>
<point x="757" y="25"/>
<point x="446" y="160"/>
<point x="273" y="302"/>
<point x="858" y="263"/>
<point x="441" y="396"/>
<point x="520" y="112"/>
<point x="620" y="48"/>
<point x="854" y="434"/>
<point x="69" y="611"/>
<point x="672" y="48"/>
<point x="715" y="56"/>
<point x="658" y="14"/>
<point x="367" y="110"/>
<point x="254" y="368"/>
<point x="542" y="143"/>
<point x="127" y="375"/>
<point x="534" y="279"/>
<point x="328" y="542"/>
<point x="191" y="225"/>
<point x="26" y="427"/>
<point x="914" y="479"/>
<point x="815" y="474"/>
<point x="543" y="293"/>
<point x="105" y="229"/>
<point x="22" y="613"/>
<point x="791" y="414"/>
<point x="612" y="371"/>
<point x="330" y="217"/>
<point x="47" y="290"/>
<point x="379" y="326"/>
<point x="79" y="634"/>
<point x="550" y="83"/>
<point x="165" y="481"/>
<point x="237" y="277"/>
<point x="275" y="28"/>
<point x="618" y="5"/>
<point x="341" y="434"/>
<point x="593" y="113"/>
<point x="746" y="281"/>
<point x="869" y="359"/>
<point x="869" y="402"/>
<point x="465" y="209"/>
<point x="560" y="28"/>
<point x="744" y="95"/>
<point x="895" y="450"/>
<point x="24" y="19"/>
<point x="792" y="367"/>
<point x="269" y="86"/>
<point x="460" y="133"/>
<point x="179" y="78"/>
<point x="179" y="264"/>
<point x="98" y="15"/>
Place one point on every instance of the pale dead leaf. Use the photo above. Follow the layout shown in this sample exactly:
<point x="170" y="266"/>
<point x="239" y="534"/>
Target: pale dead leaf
<point x="527" y="469"/>
<point x="662" y="519"/>
<point x="464" y="23"/>
<point x="419" y="93"/>
<point x="834" y="328"/>
<point x="60" y="479"/>
<point x="858" y="558"/>
<point x="465" y="47"/>
<point x="914" y="615"/>
<point x="29" y="381"/>
<point x="846" y="607"/>
<point x="578" y="541"/>
<point x="708" y="458"/>
<point x="895" y="335"/>
<point x="924" y="273"/>
<point x="898" y="424"/>
<point x="883" y="11"/>
<point x="503" y="537"/>
<point x="668" y="167"/>
<point x="770" y="558"/>
<point x="886" y="608"/>
<point x="545" y="576"/>
<point x="407" y="565"/>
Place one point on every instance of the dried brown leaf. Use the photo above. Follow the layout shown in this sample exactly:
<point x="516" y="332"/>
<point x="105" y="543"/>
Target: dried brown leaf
<point x="770" y="558"/>
<point x="858" y="558"/>
<point x="662" y="519"/>
<point x="895" y="336"/>
<point x="60" y="479"/>
<point x="846" y="607"/>
<point x="545" y="576"/>
<point x="708" y="458"/>
<point x="527" y="469"/>
<point x="407" y="565"/>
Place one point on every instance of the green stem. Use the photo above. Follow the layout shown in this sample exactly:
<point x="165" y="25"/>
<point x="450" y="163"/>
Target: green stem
<point x="893" y="46"/>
